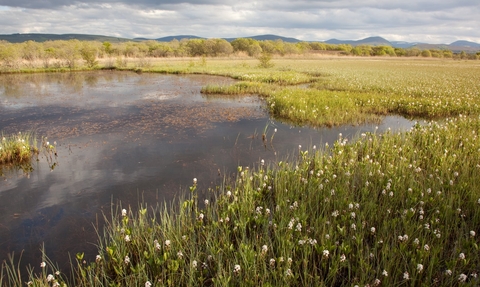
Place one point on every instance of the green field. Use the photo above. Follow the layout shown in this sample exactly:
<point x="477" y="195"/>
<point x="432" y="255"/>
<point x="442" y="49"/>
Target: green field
<point x="393" y="209"/>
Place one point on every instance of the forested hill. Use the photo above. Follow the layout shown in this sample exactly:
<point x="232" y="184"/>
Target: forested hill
<point x="457" y="46"/>
<point x="19" y="38"/>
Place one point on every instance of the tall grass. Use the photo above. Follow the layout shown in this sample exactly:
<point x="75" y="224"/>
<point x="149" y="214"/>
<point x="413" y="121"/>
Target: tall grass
<point x="396" y="209"/>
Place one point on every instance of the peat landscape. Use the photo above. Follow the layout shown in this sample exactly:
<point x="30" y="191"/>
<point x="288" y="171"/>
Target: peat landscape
<point x="308" y="170"/>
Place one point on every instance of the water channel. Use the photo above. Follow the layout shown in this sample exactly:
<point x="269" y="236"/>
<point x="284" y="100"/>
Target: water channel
<point x="125" y="137"/>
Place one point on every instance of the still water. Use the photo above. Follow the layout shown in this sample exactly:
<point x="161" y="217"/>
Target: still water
<point x="125" y="137"/>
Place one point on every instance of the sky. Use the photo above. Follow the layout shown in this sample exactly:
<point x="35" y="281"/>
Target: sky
<point x="428" y="21"/>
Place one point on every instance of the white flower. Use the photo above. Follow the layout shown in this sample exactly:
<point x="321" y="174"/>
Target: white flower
<point x="236" y="269"/>
<point x="98" y="258"/>
<point x="419" y="267"/>
<point x="325" y="253"/>
<point x="461" y="256"/>
<point x="377" y="282"/>
<point x="406" y="276"/>
<point x="194" y="263"/>
<point x="179" y="254"/>
<point x="167" y="243"/>
<point x="288" y="273"/>
<point x="299" y="227"/>
<point x="403" y="238"/>
<point x="43" y="264"/>
<point x="194" y="180"/>
<point x="127" y="260"/>
<point x="148" y="284"/>
<point x="56" y="284"/>
<point x="426" y="247"/>
<point x="264" y="249"/>
<point x="372" y="229"/>
<point x="262" y="162"/>
<point x="50" y="278"/>
<point x="229" y="193"/>
<point x="272" y="262"/>
<point x="200" y="216"/>
<point x="462" y="278"/>
<point x="127" y="238"/>
<point x="385" y="273"/>
<point x="343" y="258"/>
<point x="206" y="202"/>
<point x="448" y="272"/>
<point x="157" y="245"/>
<point x="472" y="233"/>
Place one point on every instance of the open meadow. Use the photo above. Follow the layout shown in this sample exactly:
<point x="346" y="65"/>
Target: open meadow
<point x="384" y="209"/>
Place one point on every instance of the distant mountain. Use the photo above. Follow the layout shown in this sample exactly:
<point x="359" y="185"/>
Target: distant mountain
<point x="462" y="43"/>
<point x="268" y="37"/>
<point x="403" y="44"/>
<point x="373" y="41"/>
<point x="258" y="38"/>
<point x="19" y="38"/>
<point x="456" y="46"/>
<point x="178" y="37"/>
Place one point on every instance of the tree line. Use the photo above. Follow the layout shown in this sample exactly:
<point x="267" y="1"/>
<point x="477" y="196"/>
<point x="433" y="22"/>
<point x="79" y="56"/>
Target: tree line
<point x="62" y="53"/>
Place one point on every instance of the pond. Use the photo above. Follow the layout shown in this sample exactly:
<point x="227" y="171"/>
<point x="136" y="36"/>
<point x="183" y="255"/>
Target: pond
<point x="127" y="137"/>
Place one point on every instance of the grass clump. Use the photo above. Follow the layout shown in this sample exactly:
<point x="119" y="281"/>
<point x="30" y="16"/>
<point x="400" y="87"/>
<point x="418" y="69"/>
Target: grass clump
<point x="397" y="209"/>
<point x="18" y="148"/>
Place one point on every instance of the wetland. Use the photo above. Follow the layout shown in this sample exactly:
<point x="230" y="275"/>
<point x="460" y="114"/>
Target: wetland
<point x="125" y="137"/>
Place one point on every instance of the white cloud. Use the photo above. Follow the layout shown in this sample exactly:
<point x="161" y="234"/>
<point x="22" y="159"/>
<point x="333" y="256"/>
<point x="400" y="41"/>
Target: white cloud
<point x="437" y="21"/>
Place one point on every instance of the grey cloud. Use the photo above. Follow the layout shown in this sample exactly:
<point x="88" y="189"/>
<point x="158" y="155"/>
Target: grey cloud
<point x="55" y="4"/>
<point x="308" y="20"/>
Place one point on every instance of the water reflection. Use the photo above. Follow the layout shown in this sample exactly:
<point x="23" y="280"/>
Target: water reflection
<point x="128" y="137"/>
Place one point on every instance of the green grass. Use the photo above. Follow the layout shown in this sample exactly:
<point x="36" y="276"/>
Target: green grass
<point x="17" y="148"/>
<point x="17" y="151"/>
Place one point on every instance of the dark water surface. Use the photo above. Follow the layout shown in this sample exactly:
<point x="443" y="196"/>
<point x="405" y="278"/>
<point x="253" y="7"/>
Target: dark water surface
<point x="126" y="137"/>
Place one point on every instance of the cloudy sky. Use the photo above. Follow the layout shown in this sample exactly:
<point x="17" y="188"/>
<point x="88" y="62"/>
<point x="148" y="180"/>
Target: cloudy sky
<point x="432" y="21"/>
